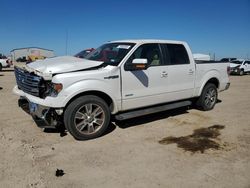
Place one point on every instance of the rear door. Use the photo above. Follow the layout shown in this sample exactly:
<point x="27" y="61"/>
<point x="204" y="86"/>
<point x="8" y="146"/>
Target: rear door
<point x="181" y="72"/>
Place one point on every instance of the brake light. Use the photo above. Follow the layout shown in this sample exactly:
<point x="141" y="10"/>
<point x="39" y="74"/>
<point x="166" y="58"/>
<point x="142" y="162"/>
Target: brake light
<point x="228" y="70"/>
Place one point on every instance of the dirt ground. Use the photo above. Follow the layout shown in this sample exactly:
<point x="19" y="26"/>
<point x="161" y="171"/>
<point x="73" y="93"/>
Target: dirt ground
<point x="181" y="148"/>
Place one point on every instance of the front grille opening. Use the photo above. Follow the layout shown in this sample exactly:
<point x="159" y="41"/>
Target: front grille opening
<point x="29" y="82"/>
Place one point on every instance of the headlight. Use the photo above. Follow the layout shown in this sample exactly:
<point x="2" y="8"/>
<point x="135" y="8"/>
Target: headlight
<point x="53" y="89"/>
<point x="57" y="87"/>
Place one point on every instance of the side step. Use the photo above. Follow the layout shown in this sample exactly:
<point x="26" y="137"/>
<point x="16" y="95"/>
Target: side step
<point x="150" y="110"/>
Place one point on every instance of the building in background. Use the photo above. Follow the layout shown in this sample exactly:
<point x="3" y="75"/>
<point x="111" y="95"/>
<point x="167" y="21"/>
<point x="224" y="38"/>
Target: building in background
<point x="24" y="54"/>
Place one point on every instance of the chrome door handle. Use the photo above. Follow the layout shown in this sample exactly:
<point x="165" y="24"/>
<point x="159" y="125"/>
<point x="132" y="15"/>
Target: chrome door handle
<point x="164" y="74"/>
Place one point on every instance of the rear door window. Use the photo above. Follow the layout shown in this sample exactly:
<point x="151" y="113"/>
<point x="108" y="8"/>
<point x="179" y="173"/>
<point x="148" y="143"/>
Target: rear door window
<point x="175" y="54"/>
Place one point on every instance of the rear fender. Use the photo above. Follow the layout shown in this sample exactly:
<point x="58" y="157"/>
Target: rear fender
<point x="213" y="74"/>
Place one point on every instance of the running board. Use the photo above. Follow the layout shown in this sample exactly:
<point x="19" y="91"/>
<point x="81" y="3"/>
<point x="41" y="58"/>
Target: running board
<point x="150" y="110"/>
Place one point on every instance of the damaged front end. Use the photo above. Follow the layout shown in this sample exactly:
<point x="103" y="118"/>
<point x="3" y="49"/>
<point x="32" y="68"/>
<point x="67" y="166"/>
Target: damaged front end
<point x="35" y="85"/>
<point x="44" y="117"/>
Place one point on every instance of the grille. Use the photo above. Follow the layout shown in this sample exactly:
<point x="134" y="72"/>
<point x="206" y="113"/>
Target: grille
<point x="28" y="82"/>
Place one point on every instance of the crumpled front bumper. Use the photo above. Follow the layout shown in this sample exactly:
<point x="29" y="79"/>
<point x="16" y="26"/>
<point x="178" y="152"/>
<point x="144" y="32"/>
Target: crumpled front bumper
<point x="39" y="113"/>
<point x="234" y="70"/>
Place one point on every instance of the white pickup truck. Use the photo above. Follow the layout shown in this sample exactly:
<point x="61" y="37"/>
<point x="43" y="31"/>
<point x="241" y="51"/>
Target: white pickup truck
<point x="120" y="79"/>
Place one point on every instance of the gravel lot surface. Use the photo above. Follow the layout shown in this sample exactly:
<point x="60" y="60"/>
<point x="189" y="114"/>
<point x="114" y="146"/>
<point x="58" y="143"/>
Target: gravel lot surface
<point x="180" y="148"/>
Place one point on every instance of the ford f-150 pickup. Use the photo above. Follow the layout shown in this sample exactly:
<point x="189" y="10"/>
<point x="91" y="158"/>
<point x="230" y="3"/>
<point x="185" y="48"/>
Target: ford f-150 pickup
<point x="120" y="79"/>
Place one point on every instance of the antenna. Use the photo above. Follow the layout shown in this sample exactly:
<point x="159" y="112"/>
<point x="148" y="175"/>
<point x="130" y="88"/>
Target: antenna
<point x="66" y="43"/>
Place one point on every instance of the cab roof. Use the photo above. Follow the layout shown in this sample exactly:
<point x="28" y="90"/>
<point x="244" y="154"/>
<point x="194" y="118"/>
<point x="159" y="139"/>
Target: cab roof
<point x="142" y="41"/>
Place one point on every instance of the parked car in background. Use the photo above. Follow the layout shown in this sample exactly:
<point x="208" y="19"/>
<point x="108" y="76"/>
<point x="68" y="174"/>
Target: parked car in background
<point x="123" y="79"/>
<point x="84" y="53"/>
<point x="4" y="62"/>
<point x="240" y="66"/>
<point x="228" y="59"/>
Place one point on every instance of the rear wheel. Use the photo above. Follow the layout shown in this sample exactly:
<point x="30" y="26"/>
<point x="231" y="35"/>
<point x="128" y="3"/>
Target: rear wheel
<point x="87" y="117"/>
<point x="208" y="97"/>
<point x="1" y="67"/>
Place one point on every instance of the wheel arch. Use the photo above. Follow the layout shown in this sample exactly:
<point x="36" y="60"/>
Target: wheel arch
<point x="110" y="102"/>
<point x="212" y="80"/>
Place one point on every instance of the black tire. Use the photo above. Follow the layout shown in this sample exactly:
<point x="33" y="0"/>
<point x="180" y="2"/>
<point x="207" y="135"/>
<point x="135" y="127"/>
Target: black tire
<point x="1" y="67"/>
<point x="241" y="73"/>
<point x="208" y="97"/>
<point x="82" y="114"/>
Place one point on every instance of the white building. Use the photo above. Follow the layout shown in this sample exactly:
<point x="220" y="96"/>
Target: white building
<point x="25" y="52"/>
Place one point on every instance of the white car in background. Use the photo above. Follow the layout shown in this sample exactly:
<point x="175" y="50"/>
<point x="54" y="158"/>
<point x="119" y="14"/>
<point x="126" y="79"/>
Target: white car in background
<point x="240" y="66"/>
<point x="3" y="63"/>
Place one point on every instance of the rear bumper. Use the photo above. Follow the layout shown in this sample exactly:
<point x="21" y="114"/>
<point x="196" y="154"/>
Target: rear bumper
<point x="227" y="86"/>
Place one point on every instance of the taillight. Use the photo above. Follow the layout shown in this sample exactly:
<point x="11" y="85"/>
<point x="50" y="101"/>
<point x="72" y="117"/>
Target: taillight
<point x="228" y="70"/>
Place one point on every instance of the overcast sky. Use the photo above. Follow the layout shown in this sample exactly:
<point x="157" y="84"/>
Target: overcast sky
<point x="216" y="26"/>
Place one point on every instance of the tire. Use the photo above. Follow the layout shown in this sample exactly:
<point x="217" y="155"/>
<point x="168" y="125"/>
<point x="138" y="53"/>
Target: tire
<point x="1" y="67"/>
<point x="208" y="97"/>
<point x="241" y="73"/>
<point x="87" y="117"/>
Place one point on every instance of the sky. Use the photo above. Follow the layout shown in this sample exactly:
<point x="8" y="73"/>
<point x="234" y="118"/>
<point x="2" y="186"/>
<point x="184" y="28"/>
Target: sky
<point x="220" y="27"/>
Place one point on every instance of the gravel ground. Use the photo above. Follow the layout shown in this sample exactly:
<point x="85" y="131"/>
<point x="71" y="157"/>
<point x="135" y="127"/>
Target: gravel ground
<point x="180" y="148"/>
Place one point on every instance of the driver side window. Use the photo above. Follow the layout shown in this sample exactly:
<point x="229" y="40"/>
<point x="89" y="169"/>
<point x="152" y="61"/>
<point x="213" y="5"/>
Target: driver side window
<point x="151" y="52"/>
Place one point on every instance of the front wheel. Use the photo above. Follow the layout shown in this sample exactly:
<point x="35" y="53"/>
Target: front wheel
<point x="87" y="117"/>
<point x="208" y="97"/>
<point x="241" y="72"/>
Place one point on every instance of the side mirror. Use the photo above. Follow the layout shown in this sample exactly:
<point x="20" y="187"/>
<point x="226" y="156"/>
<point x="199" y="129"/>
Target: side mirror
<point x="140" y="61"/>
<point x="137" y="64"/>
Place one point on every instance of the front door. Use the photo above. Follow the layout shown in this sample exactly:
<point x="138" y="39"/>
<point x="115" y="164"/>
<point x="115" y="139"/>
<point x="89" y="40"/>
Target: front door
<point x="144" y="87"/>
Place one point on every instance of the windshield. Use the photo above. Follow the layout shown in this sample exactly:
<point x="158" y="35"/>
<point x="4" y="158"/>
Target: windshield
<point x="84" y="53"/>
<point x="110" y="53"/>
<point x="237" y="62"/>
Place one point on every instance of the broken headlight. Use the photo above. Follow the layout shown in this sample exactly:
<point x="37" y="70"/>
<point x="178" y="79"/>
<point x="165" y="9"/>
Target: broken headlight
<point x="53" y="89"/>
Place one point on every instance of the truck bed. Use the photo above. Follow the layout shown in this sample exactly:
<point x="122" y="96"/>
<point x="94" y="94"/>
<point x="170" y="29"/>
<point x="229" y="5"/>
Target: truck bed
<point x="204" y="70"/>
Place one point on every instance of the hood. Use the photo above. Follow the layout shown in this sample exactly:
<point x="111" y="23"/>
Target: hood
<point x="62" y="64"/>
<point x="232" y="65"/>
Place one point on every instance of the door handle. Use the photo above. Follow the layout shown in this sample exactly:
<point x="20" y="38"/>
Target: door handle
<point x="164" y="74"/>
<point x="191" y="72"/>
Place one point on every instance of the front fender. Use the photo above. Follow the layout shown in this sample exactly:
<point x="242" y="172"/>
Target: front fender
<point x="111" y="89"/>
